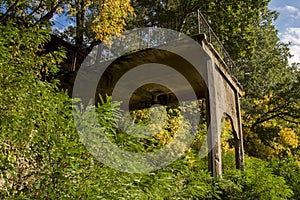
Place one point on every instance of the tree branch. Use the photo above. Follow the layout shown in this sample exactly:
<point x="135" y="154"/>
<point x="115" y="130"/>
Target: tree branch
<point x="49" y="15"/>
<point x="8" y="10"/>
<point x="281" y="115"/>
<point x="288" y="120"/>
<point x="35" y="10"/>
<point x="259" y="121"/>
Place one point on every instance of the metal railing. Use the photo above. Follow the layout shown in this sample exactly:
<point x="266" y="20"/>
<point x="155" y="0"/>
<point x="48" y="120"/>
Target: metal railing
<point x="190" y="24"/>
<point x="195" y="23"/>
<point x="204" y="27"/>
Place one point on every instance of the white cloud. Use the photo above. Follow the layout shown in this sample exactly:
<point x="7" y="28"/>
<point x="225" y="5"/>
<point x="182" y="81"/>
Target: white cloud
<point x="290" y="8"/>
<point x="289" y="11"/>
<point x="296" y="52"/>
<point x="287" y="8"/>
<point x="293" y="35"/>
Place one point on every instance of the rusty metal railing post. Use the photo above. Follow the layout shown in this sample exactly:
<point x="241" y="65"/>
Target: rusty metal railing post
<point x="149" y="39"/>
<point x="199" y="21"/>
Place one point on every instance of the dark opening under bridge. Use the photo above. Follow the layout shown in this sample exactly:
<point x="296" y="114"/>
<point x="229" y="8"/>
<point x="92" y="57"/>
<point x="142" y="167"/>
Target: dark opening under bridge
<point x="210" y="73"/>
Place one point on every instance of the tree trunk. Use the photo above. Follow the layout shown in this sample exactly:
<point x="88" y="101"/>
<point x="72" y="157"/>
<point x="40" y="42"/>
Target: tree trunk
<point x="79" y="23"/>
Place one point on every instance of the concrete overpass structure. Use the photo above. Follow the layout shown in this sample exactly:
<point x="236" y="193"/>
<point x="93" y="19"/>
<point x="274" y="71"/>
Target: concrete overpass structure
<point x="209" y="72"/>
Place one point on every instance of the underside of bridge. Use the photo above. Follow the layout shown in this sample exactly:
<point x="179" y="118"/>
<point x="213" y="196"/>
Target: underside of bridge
<point x="202" y="67"/>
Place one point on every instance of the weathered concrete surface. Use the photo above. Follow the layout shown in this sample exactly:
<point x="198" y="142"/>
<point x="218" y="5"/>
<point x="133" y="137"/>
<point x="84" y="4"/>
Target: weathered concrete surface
<point x="205" y="71"/>
<point x="223" y="98"/>
<point x="187" y="65"/>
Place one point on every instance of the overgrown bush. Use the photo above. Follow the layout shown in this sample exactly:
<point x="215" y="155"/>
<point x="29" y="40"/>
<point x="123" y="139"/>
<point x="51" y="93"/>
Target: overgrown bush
<point x="257" y="182"/>
<point x="290" y="171"/>
<point x="37" y="135"/>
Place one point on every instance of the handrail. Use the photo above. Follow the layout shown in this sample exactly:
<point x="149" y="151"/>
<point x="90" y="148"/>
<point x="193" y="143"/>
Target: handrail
<point x="182" y="24"/>
<point x="204" y="27"/>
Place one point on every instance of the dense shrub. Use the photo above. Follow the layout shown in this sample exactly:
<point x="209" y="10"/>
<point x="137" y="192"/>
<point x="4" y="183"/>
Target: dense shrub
<point x="37" y="135"/>
<point x="257" y="182"/>
<point x="290" y="171"/>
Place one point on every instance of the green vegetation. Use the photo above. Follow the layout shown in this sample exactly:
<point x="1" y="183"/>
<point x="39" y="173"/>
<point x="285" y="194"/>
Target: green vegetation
<point x="41" y="156"/>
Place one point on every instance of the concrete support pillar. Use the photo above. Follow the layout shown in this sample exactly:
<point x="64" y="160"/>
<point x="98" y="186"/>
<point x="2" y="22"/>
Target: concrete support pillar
<point x="222" y="98"/>
<point x="214" y="126"/>
<point x="239" y="147"/>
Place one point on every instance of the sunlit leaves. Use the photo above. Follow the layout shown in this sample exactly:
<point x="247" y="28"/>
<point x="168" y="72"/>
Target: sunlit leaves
<point x="111" y="20"/>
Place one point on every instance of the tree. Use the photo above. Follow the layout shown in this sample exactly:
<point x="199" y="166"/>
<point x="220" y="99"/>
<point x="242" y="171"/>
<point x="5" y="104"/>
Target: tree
<point x="234" y="23"/>
<point x="97" y="20"/>
<point x="271" y="103"/>
<point x="94" y="20"/>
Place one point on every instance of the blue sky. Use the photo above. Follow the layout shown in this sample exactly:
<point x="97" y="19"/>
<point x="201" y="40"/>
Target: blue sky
<point x="288" y="24"/>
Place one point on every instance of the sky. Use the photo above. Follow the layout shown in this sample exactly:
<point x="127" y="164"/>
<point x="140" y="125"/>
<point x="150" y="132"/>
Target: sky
<point x="288" y="24"/>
